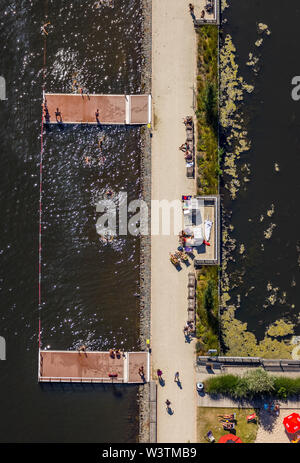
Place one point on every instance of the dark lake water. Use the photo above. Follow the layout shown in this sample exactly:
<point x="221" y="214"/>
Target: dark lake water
<point x="272" y="120"/>
<point x="89" y="289"/>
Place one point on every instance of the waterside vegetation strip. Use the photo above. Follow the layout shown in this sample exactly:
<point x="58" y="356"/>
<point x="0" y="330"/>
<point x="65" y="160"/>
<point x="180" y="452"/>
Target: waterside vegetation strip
<point x="208" y="171"/>
<point x="253" y="384"/>
<point x="207" y="111"/>
<point x="207" y="328"/>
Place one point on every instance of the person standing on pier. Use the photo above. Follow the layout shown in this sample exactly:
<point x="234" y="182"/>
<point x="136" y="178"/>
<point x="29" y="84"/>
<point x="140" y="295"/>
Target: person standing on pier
<point x="97" y="116"/>
<point x="142" y="373"/>
<point x="58" y="115"/>
<point x="82" y="349"/>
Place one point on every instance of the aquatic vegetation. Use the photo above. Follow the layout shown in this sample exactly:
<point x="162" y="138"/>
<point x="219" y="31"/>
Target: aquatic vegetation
<point x="242" y="248"/>
<point x="280" y="328"/>
<point x="232" y="89"/>
<point x="224" y="5"/>
<point x="253" y="60"/>
<point x="242" y="343"/>
<point x="263" y="28"/>
<point x="271" y="211"/>
<point x="268" y="233"/>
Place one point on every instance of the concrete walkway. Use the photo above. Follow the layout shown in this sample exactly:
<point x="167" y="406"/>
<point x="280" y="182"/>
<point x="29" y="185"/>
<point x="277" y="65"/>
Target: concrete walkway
<point x="174" y="70"/>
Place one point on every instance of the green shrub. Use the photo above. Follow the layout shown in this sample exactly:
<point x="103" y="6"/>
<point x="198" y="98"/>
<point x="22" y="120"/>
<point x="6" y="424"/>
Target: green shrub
<point x="222" y="384"/>
<point x="282" y="393"/>
<point x="258" y="382"/>
<point x="209" y="296"/>
<point x="290" y="385"/>
<point x="255" y="383"/>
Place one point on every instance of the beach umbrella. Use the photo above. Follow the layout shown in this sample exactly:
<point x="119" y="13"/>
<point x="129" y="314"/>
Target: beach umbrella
<point x="230" y="439"/>
<point x="292" y="423"/>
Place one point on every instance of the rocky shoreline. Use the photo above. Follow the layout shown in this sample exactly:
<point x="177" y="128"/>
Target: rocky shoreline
<point x="145" y="255"/>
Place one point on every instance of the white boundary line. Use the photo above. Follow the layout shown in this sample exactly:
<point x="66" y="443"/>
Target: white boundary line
<point x="149" y="109"/>
<point x="148" y="367"/>
<point x="127" y="109"/>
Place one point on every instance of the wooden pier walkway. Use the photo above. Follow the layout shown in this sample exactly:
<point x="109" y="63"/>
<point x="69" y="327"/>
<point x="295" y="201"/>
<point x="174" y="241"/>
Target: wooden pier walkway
<point x="93" y="367"/>
<point x="113" y="109"/>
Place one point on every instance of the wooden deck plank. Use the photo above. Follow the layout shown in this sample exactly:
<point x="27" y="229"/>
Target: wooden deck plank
<point x="81" y="109"/>
<point x="90" y="366"/>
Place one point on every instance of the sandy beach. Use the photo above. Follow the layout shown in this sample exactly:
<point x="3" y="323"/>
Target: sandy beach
<point x="174" y="70"/>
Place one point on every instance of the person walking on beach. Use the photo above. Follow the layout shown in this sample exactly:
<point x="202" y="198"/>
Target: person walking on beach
<point x="176" y="377"/>
<point x="191" y="7"/>
<point x="168" y="403"/>
<point x="159" y="373"/>
<point x="97" y="116"/>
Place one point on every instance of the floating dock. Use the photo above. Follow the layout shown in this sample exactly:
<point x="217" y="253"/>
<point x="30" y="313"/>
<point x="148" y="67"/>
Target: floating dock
<point x="113" y="109"/>
<point x="93" y="367"/>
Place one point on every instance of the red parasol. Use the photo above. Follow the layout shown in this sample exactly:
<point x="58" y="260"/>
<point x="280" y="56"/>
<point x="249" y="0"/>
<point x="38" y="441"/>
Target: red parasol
<point x="292" y="423"/>
<point x="230" y="439"/>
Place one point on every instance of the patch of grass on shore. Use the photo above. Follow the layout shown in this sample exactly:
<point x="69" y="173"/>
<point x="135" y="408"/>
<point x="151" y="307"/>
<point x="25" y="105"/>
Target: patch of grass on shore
<point x="208" y="420"/>
<point x="207" y="323"/>
<point x="207" y="110"/>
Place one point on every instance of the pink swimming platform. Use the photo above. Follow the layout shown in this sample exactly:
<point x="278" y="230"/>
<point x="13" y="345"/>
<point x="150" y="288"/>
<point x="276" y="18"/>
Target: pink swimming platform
<point x="92" y="367"/>
<point x="113" y="109"/>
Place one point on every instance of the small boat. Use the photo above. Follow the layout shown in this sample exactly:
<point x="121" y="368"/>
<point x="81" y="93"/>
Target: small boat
<point x="207" y="229"/>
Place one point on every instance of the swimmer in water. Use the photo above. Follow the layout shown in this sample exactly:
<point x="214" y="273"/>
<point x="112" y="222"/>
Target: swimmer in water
<point x="101" y="139"/>
<point x="101" y="160"/>
<point x="87" y="160"/>
<point x="109" y="193"/>
<point x="44" y="31"/>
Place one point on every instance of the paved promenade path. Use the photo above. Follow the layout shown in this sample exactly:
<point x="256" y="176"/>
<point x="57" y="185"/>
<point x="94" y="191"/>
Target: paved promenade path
<point x="174" y="69"/>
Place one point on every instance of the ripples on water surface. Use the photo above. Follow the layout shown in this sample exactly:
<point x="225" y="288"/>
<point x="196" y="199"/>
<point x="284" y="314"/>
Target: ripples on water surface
<point x="89" y="290"/>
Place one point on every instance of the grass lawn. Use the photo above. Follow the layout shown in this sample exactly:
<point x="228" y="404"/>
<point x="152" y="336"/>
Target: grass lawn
<point x="208" y="420"/>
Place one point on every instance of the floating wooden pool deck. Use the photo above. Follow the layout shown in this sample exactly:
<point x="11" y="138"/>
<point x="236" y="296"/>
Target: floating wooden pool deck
<point x="93" y="367"/>
<point x="113" y="109"/>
